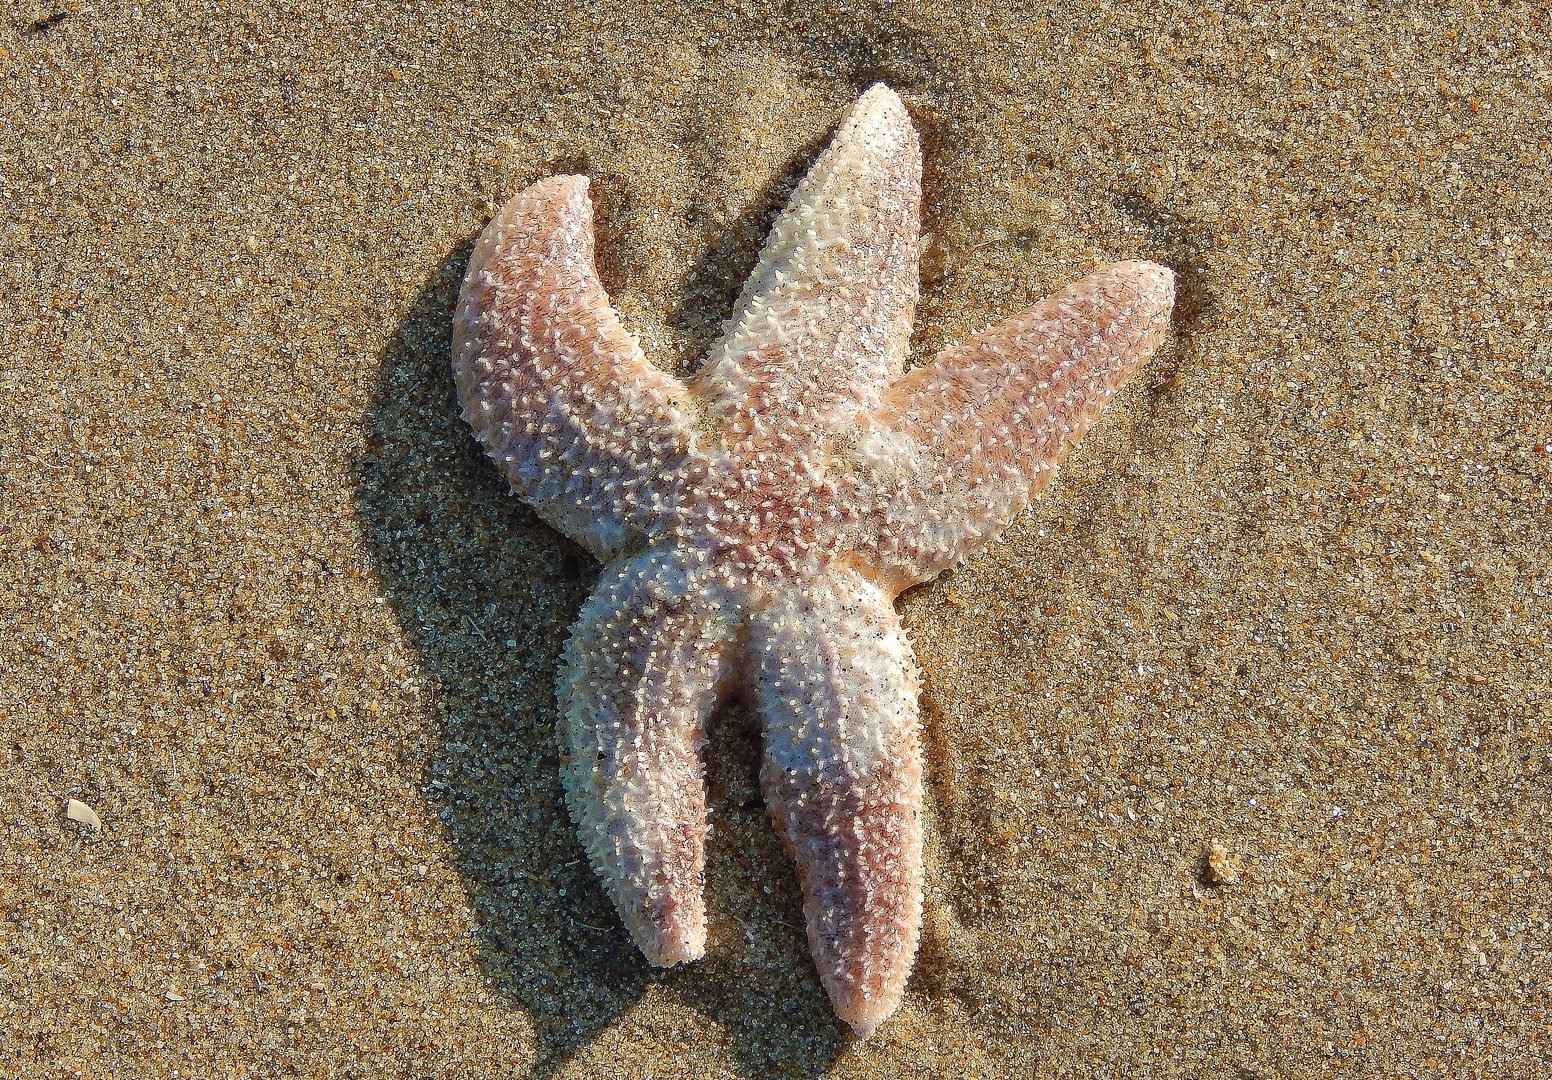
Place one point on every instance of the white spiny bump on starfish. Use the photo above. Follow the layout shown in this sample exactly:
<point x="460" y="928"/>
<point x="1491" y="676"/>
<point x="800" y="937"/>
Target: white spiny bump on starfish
<point x="758" y="520"/>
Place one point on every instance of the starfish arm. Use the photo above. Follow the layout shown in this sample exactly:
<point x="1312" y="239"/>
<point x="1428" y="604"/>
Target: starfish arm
<point x="641" y="675"/>
<point x="836" y="687"/>
<point x="824" y="322"/>
<point x="583" y="427"/>
<point x="962" y="444"/>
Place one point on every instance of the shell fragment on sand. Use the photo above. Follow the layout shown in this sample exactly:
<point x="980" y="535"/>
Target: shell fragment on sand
<point x="76" y="810"/>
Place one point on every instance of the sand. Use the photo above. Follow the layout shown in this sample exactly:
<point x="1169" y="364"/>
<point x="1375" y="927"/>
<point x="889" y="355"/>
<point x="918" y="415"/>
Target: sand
<point x="1239" y="749"/>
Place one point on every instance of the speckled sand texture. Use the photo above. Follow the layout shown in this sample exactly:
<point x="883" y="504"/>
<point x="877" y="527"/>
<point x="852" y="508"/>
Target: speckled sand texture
<point x="1237" y="746"/>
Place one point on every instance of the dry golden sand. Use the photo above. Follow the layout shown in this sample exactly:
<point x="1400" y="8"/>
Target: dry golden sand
<point x="264" y="610"/>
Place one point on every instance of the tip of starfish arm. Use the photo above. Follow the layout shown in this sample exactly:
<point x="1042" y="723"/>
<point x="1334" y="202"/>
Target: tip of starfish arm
<point x="1142" y="294"/>
<point x="670" y="946"/>
<point x="555" y="187"/>
<point x="864" y="1015"/>
<point x="1153" y="280"/>
<point x="878" y="101"/>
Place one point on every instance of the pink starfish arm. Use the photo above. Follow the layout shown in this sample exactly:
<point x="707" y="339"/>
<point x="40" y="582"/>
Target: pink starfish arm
<point x="836" y="686"/>
<point x="824" y="322"/>
<point x="641" y="675"/>
<point x="970" y="438"/>
<point x="582" y="426"/>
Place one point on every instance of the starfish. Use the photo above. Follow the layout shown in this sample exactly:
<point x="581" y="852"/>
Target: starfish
<point x="757" y="521"/>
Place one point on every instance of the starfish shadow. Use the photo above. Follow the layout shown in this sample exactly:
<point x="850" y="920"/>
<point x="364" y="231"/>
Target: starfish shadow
<point x="1175" y="243"/>
<point x="757" y="979"/>
<point x="486" y="593"/>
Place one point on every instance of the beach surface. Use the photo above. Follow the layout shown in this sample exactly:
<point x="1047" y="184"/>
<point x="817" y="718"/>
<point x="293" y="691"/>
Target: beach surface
<point x="1239" y="748"/>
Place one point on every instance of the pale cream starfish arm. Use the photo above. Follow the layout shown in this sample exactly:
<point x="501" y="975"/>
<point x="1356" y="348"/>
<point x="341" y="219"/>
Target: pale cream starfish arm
<point x="836" y="685"/>
<point x="584" y="428"/>
<point x="963" y="443"/>
<point x="641" y="674"/>
<point x="824" y="322"/>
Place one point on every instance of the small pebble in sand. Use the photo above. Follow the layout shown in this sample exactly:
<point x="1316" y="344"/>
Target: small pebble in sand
<point x="1222" y="868"/>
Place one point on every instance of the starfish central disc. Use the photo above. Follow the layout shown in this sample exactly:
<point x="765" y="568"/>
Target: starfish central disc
<point x="758" y="520"/>
<point x="771" y="514"/>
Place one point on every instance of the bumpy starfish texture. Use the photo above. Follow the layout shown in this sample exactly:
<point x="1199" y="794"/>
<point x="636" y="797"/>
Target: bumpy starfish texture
<point x="758" y="520"/>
